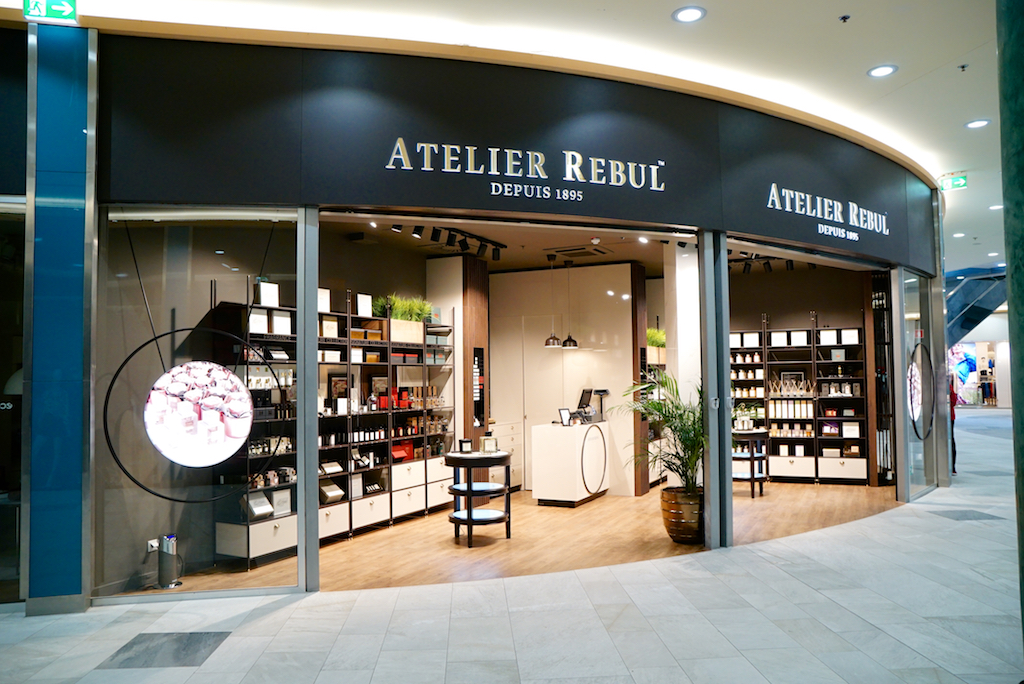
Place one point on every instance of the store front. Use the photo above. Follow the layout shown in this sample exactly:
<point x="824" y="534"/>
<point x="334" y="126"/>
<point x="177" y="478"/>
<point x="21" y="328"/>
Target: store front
<point x="250" y="214"/>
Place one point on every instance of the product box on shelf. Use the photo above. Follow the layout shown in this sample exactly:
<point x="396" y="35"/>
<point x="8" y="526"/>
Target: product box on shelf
<point x="268" y="294"/>
<point x="329" y="326"/>
<point x="259" y="322"/>
<point x="402" y="451"/>
<point x="364" y="305"/>
<point x="830" y="452"/>
<point x="323" y="300"/>
<point x="281" y="500"/>
<point x="282" y="322"/>
<point x="827" y="338"/>
<point x="330" y="493"/>
<point x="851" y="430"/>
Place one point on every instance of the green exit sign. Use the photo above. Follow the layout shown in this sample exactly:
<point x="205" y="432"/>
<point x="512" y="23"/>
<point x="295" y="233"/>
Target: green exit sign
<point x="49" y="10"/>
<point x="953" y="183"/>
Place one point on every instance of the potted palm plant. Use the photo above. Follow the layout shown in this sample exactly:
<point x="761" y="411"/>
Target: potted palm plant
<point x="680" y="451"/>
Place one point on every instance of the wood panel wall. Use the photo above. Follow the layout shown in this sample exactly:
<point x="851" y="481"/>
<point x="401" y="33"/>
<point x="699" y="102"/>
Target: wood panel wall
<point x="638" y="285"/>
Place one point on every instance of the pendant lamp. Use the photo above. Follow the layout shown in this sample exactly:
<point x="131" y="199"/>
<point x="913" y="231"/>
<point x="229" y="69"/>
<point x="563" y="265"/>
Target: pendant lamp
<point x="552" y="342"/>
<point x="569" y="342"/>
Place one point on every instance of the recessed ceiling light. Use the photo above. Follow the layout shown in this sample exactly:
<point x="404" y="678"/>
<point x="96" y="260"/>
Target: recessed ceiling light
<point x="643" y="240"/>
<point x="235" y="268"/>
<point x="958" y="234"/>
<point x="883" y="70"/>
<point x="993" y="253"/>
<point x="611" y="293"/>
<point x="688" y="15"/>
<point x="218" y="251"/>
<point x="625" y="296"/>
<point x="996" y="207"/>
<point x="977" y="123"/>
<point x="1001" y="265"/>
<point x="373" y="224"/>
<point x="910" y="280"/>
<point x="960" y="277"/>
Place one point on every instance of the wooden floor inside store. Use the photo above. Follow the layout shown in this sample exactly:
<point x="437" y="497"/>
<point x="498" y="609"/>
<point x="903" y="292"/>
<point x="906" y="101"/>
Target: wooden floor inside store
<point x="607" y="531"/>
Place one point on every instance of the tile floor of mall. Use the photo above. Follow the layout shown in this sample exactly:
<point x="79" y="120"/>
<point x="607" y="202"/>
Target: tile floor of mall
<point x="926" y="592"/>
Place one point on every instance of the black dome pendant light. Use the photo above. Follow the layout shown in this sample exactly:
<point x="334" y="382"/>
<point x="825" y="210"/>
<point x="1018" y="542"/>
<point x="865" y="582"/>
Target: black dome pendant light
<point x="552" y="342"/>
<point x="569" y="342"/>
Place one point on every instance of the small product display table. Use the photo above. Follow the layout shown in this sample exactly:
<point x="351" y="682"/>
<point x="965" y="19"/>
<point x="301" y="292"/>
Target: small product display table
<point x="465" y="489"/>
<point x="758" y="460"/>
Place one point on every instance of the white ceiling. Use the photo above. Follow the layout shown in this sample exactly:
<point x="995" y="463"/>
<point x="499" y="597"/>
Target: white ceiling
<point x="793" y="52"/>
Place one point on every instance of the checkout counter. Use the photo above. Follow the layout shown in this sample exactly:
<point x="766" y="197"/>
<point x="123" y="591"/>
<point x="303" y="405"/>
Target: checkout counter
<point x="570" y="457"/>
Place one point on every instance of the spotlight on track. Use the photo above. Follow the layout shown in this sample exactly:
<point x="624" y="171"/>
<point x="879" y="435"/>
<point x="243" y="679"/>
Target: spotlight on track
<point x="790" y="265"/>
<point x="450" y="242"/>
<point x="496" y="254"/>
<point x="482" y="249"/>
<point x="464" y="245"/>
<point x="746" y="267"/>
<point x="767" y="267"/>
<point x="435" y="234"/>
<point x="812" y="266"/>
<point x="397" y="228"/>
<point x="417" y="232"/>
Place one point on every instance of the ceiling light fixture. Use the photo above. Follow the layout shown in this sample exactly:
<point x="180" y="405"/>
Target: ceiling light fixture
<point x="910" y="280"/>
<point x="417" y="232"/>
<point x="1003" y="265"/>
<point x="883" y="70"/>
<point x="790" y="265"/>
<point x="435" y="234"/>
<point x="218" y="251"/>
<point x="958" y="235"/>
<point x="625" y="297"/>
<point x="767" y="267"/>
<point x="746" y="267"/>
<point x="373" y="224"/>
<point x="450" y="242"/>
<point x="996" y="207"/>
<point x="552" y="342"/>
<point x="993" y="253"/>
<point x="611" y="293"/>
<point x="642" y="240"/>
<point x="688" y="15"/>
<point x="464" y="245"/>
<point x="397" y="228"/>
<point x="977" y="123"/>
<point x="482" y="249"/>
<point x="960" y="277"/>
<point x="496" y="254"/>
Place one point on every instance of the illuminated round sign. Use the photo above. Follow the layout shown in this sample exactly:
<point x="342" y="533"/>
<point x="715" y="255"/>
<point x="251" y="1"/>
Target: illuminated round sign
<point x="198" y="414"/>
<point x="914" y="391"/>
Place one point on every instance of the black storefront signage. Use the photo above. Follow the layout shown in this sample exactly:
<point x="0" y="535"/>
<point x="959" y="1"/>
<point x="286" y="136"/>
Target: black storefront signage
<point x="204" y="123"/>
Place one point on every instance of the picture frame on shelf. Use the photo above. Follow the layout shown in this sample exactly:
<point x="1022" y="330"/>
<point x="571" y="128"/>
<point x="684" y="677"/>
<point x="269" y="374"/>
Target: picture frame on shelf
<point x="337" y="386"/>
<point x="838" y="355"/>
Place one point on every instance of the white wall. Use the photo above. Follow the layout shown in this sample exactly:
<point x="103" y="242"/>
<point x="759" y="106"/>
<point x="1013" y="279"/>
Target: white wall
<point x="656" y="303"/>
<point x="682" y="318"/>
<point x="444" y="290"/>
<point x="523" y="304"/>
<point x="995" y="327"/>
<point x="1004" y="395"/>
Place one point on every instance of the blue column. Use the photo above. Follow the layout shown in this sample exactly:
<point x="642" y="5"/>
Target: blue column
<point x="58" y="384"/>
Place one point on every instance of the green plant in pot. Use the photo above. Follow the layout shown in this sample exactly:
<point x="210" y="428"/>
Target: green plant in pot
<point x="680" y="451"/>
<point x="403" y="308"/>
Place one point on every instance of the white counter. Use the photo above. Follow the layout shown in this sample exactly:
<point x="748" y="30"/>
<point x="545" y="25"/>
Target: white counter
<point x="570" y="463"/>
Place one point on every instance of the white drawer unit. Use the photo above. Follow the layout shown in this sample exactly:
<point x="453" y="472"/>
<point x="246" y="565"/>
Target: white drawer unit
<point x="501" y="430"/>
<point x="515" y="475"/>
<point x="406" y="501"/>
<point x="334" y="520"/>
<point x="791" y="466"/>
<point x="370" y="510"/>
<point x="405" y="475"/>
<point x="263" y="537"/>
<point x="438" y="494"/>
<point x="437" y="470"/>
<point x="843" y="468"/>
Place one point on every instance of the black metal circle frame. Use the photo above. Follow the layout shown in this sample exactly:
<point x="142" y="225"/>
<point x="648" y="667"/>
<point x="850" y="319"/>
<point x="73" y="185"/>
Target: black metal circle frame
<point x="931" y="379"/>
<point x="106" y="428"/>
<point x="583" y="451"/>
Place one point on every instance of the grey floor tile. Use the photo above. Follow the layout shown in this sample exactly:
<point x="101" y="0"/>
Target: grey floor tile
<point x="504" y="672"/>
<point x="417" y="630"/>
<point x="164" y="650"/>
<point x="814" y="636"/>
<point x="216" y="678"/>
<point x="735" y="670"/>
<point x="689" y="637"/>
<point x="344" y="676"/>
<point x="432" y="596"/>
<point x="209" y="615"/>
<point x="659" y="598"/>
<point x="479" y="599"/>
<point x="659" y="675"/>
<point x="559" y="591"/>
<point x="888" y="651"/>
<point x="553" y="644"/>
<point x="932" y="675"/>
<point x="290" y="668"/>
<point x="235" y="654"/>
<point x="858" y="667"/>
<point x="81" y="660"/>
<point x="622" y="617"/>
<point x="792" y="666"/>
<point x="290" y="642"/>
<point x="948" y="651"/>
<point x="999" y="635"/>
<point x="410" y="667"/>
<point x="642" y="649"/>
<point x="480" y="639"/>
<point x="153" y="675"/>
<point x="367" y="620"/>
<point x="836" y="618"/>
<point x="354" y="652"/>
<point x="872" y="607"/>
